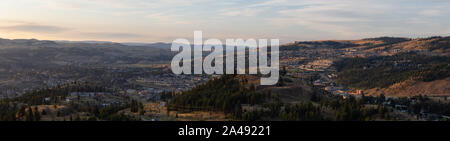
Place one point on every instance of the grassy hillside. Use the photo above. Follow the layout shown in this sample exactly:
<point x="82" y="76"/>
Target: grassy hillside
<point x="383" y="71"/>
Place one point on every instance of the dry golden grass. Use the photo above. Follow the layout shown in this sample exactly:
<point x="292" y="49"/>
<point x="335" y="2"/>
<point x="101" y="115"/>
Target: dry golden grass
<point x="412" y="88"/>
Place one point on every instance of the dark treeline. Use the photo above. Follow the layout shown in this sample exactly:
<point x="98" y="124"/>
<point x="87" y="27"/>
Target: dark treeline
<point x="137" y="107"/>
<point x="356" y="110"/>
<point x="441" y="43"/>
<point x="56" y="94"/>
<point x="423" y="104"/>
<point x="97" y="112"/>
<point x="21" y="108"/>
<point x="11" y="112"/>
<point x="387" y="41"/>
<point x="324" y="107"/>
<point x="302" y="111"/>
<point x="324" y="44"/>
<point x="430" y="107"/>
<point x="226" y="94"/>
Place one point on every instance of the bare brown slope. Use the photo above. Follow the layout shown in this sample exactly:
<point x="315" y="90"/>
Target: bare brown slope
<point x="412" y="88"/>
<point x="383" y="45"/>
<point x="433" y="44"/>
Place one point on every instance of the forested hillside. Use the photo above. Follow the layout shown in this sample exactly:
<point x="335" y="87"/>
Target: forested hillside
<point x="226" y="94"/>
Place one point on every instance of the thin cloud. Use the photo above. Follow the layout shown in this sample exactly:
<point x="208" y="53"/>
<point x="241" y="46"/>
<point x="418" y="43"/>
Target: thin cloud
<point x="109" y="35"/>
<point x="353" y="19"/>
<point x="35" y="28"/>
<point x="430" y="12"/>
<point x="244" y="12"/>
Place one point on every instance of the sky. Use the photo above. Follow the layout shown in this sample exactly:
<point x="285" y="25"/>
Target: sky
<point x="166" y="20"/>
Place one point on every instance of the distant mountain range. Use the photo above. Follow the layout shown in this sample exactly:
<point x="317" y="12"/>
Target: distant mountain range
<point x="20" y="52"/>
<point x="155" y="45"/>
<point x="161" y="45"/>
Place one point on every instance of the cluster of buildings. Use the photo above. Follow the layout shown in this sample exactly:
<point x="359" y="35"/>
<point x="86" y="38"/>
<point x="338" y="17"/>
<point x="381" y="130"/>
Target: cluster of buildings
<point x="170" y="82"/>
<point x="103" y="99"/>
<point x="317" y="65"/>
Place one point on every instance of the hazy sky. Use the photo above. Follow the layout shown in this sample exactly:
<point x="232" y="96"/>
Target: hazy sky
<point x="166" y="20"/>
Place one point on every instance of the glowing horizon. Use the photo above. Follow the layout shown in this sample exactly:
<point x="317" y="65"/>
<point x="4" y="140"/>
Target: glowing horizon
<point x="164" y="21"/>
